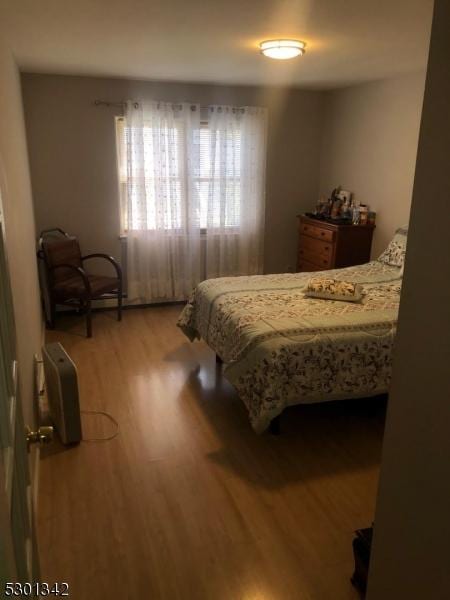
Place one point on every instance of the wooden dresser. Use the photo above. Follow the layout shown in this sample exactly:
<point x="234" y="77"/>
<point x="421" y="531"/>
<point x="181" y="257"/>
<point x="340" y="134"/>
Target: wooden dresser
<point x="323" y="245"/>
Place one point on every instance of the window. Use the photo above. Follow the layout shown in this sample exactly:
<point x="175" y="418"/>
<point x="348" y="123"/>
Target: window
<point x="220" y="175"/>
<point x="169" y="187"/>
<point x="187" y="172"/>
<point x="217" y="181"/>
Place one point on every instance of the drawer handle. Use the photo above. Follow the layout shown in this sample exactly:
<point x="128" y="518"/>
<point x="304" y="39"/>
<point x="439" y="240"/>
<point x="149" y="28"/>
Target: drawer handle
<point x="322" y="233"/>
<point x="326" y="248"/>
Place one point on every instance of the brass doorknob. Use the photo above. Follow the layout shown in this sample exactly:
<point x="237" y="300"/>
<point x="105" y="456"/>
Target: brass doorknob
<point x="44" y="435"/>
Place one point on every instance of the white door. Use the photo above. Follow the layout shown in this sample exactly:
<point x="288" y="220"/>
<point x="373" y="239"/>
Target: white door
<point x="18" y="549"/>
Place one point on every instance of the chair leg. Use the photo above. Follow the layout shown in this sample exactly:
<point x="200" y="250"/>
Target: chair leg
<point x="119" y="304"/>
<point x="88" y="319"/>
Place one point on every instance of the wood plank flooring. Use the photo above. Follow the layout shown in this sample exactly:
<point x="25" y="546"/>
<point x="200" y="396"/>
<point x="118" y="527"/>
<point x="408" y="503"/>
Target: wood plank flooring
<point x="187" y="502"/>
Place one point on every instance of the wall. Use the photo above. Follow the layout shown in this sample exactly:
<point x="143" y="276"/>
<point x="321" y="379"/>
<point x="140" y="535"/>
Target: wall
<point x="410" y="557"/>
<point x="19" y="227"/>
<point x="73" y="161"/>
<point x="369" y="147"/>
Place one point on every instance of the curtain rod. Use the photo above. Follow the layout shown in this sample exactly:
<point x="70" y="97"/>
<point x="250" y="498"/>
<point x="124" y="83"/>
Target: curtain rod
<point x="108" y="103"/>
<point x="136" y="105"/>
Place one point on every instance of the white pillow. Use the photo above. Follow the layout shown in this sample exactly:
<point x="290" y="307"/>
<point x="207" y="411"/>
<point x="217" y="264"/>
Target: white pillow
<point x="394" y="254"/>
<point x="328" y="288"/>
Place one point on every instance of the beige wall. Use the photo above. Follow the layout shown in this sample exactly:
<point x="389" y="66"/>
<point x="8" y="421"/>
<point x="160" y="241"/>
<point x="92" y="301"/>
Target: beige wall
<point x="73" y="162"/>
<point x="411" y="554"/>
<point x="363" y="137"/>
<point x="369" y="147"/>
<point x="19" y="226"/>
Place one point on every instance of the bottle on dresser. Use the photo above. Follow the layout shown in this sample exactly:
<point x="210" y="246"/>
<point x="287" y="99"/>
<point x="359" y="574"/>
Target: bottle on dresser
<point x="355" y="214"/>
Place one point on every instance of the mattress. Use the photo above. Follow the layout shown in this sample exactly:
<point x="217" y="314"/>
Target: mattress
<point x="282" y="348"/>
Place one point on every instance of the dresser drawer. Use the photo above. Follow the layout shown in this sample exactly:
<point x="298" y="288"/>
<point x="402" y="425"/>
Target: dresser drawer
<point x="317" y="232"/>
<point x="321" y="262"/>
<point x="316" y="246"/>
<point x="306" y="265"/>
<point x="325" y="245"/>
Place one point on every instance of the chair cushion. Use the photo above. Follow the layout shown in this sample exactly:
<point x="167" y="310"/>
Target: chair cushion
<point x="73" y="287"/>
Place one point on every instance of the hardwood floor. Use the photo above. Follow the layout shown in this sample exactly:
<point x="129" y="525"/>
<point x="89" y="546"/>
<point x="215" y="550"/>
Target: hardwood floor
<point x="187" y="502"/>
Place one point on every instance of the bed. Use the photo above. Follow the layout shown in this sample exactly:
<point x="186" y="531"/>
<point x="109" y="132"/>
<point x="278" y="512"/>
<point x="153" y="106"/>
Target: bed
<point x="281" y="348"/>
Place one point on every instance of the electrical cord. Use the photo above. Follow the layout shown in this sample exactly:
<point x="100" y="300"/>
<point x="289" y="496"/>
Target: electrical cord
<point x="108" y="416"/>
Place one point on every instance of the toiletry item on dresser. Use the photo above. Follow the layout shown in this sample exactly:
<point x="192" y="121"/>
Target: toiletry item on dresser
<point x="346" y="210"/>
<point x="336" y="208"/>
<point x="363" y="211"/>
<point x="355" y="215"/>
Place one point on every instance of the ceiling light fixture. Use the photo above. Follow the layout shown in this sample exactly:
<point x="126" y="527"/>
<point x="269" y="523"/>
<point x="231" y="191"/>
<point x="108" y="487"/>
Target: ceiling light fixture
<point x="282" y="49"/>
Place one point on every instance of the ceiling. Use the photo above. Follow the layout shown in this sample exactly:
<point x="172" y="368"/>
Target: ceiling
<point x="348" y="41"/>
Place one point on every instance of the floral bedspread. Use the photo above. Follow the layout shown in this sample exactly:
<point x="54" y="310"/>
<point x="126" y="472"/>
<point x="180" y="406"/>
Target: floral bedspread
<point x="280" y="347"/>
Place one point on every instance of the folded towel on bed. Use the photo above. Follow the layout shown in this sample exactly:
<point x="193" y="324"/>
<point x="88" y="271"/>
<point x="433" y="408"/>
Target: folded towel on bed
<point x="333" y="289"/>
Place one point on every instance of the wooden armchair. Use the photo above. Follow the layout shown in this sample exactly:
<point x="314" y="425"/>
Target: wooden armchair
<point x="67" y="280"/>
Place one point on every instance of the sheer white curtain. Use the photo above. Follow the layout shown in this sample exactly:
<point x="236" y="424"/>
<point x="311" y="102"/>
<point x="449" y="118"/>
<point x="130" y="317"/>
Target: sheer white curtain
<point x="233" y="152"/>
<point x="161" y="208"/>
<point x="192" y="195"/>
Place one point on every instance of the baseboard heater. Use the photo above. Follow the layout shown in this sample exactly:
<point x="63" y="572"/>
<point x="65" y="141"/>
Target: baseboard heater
<point x="61" y="382"/>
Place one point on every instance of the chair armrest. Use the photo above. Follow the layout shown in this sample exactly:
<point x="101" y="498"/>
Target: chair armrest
<point x="110" y="259"/>
<point x="81" y="272"/>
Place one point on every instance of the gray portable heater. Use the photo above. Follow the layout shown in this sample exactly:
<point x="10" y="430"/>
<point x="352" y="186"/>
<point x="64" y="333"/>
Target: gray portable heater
<point x="62" y="392"/>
